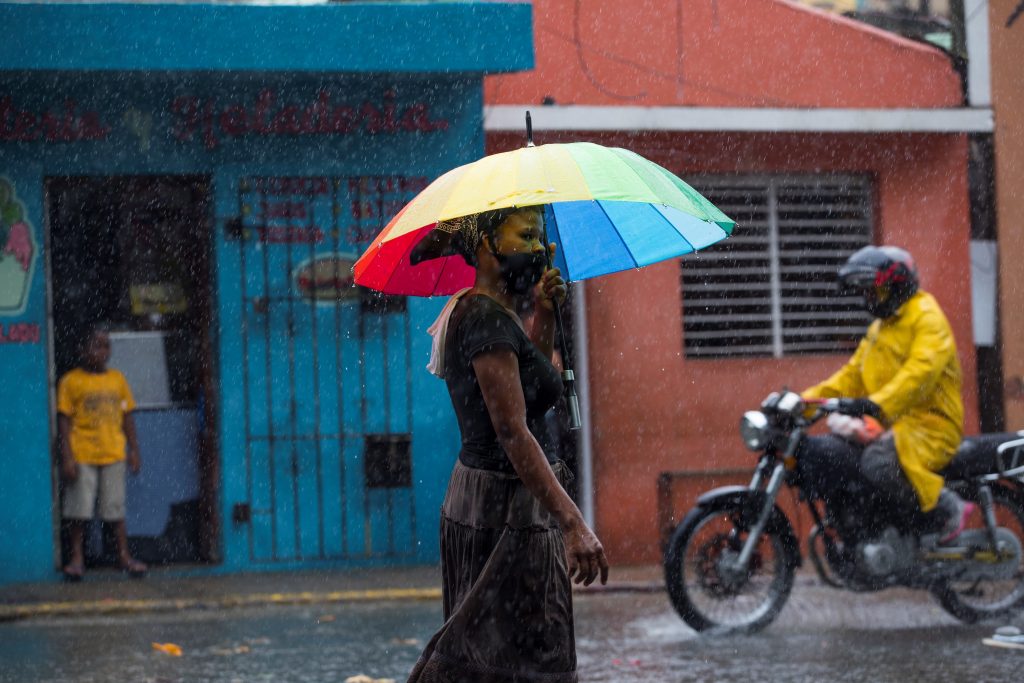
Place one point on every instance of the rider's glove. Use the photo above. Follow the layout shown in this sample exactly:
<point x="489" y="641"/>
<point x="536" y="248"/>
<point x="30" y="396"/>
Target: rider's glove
<point x="859" y="407"/>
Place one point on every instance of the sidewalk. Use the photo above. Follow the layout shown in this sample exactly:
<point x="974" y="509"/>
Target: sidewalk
<point x="109" y="592"/>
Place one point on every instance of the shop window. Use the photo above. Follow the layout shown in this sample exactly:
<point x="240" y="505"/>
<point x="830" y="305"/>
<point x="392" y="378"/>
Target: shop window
<point x="770" y="289"/>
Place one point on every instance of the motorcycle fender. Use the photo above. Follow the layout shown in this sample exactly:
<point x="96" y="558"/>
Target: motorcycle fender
<point x="727" y="493"/>
<point x="751" y="503"/>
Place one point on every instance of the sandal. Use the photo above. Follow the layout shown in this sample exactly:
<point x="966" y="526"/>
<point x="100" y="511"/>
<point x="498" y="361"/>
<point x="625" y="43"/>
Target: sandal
<point x="73" y="572"/>
<point x="134" y="569"/>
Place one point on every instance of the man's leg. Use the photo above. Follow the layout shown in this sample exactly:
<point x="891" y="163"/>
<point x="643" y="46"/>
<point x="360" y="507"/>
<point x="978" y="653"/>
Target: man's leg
<point x="827" y="465"/>
<point x="112" y="510"/>
<point x="79" y="503"/>
<point x="75" y="566"/>
<point x="881" y="467"/>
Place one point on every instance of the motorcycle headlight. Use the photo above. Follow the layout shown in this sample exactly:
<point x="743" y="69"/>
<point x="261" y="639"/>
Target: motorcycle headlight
<point x="754" y="430"/>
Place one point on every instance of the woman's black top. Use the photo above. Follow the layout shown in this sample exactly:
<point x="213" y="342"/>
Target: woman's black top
<point x="480" y="324"/>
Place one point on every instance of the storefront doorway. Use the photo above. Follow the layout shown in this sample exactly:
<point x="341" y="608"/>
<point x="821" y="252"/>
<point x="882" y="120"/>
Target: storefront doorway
<point x="134" y="253"/>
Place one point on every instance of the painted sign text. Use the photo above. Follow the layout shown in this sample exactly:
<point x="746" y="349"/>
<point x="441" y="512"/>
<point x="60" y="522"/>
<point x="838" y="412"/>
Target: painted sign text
<point x="68" y="124"/>
<point x="213" y="122"/>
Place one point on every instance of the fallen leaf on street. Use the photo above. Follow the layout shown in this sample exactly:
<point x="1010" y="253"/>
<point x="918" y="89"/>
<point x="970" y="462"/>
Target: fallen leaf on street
<point x="326" y="618"/>
<point x="405" y="641"/>
<point x="168" y="649"/>
<point x="363" y="678"/>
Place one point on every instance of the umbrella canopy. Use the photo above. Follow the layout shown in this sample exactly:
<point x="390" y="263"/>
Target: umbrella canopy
<point x="607" y="208"/>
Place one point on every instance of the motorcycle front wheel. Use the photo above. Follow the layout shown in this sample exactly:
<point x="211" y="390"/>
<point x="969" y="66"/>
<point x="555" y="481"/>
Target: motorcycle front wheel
<point x="703" y="584"/>
<point x="976" y="600"/>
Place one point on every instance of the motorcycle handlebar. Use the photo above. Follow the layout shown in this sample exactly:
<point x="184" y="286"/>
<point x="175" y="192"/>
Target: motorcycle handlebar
<point x="828" y="405"/>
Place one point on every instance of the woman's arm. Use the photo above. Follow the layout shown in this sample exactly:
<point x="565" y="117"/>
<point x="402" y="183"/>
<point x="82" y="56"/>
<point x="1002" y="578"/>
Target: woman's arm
<point x="497" y="373"/>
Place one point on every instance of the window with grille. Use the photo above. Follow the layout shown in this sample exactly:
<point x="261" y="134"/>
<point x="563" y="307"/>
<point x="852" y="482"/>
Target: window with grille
<point x="770" y="289"/>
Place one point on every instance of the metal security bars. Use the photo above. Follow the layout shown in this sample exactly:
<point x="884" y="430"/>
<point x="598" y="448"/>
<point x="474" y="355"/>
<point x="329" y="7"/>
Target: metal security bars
<point x="769" y="290"/>
<point x="325" y="372"/>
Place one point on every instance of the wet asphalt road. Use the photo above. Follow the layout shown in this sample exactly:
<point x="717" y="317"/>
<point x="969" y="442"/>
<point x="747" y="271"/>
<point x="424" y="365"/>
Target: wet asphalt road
<point x="821" y="635"/>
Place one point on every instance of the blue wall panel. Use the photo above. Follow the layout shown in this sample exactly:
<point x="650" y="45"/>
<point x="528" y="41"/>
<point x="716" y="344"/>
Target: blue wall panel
<point x="359" y="376"/>
<point x="26" y="538"/>
<point x="139" y="125"/>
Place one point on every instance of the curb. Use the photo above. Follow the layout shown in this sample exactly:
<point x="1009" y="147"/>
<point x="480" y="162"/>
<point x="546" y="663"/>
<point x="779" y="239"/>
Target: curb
<point x="76" y="608"/>
<point x="10" y="613"/>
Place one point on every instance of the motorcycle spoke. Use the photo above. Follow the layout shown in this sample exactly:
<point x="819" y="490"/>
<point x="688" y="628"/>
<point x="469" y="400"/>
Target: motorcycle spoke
<point x="726" y="597"/>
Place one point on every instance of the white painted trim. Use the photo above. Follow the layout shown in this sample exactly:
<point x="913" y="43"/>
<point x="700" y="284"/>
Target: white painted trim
<point x="979" y="81"/>
<point x="510" y="117"/>
<point x="585" y="445"/>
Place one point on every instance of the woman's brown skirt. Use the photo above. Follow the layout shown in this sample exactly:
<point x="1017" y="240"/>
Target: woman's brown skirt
<point x="507" y="595"/>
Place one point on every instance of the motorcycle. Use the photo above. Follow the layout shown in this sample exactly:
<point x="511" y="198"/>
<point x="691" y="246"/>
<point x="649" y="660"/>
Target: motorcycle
<point x="731" y="561"/>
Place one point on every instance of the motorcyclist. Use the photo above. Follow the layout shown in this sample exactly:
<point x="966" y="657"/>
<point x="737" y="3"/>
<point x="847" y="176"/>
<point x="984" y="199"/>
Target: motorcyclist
<point x="906" y="374"/>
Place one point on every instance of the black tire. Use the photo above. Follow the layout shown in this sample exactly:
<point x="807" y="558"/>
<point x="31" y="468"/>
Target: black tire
<point x="691" y="587"/>
<point x="955" y="599"/>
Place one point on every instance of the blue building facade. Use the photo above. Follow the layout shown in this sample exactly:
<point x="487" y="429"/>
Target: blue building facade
<point x="202" y="177"/>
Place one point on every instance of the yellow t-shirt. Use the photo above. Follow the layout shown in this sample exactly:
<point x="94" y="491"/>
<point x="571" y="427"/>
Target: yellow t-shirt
<point x="96" y="404"/>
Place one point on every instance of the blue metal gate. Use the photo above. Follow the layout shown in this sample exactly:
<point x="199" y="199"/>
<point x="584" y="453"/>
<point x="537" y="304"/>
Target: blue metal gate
<point x="325" y="373"/>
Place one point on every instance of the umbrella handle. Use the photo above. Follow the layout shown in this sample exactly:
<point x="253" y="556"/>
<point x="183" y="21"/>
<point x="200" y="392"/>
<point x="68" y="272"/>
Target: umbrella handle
<point x="572" y="402"/>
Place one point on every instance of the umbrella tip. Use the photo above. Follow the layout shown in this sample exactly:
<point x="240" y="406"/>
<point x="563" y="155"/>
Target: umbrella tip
<point x="529" y="130"/>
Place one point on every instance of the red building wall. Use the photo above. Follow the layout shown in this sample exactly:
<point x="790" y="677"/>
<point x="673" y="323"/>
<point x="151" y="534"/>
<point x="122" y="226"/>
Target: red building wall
<point x="1006" y="29"/>
<point x="653" y="410"/>
<point x="721" y="53"/>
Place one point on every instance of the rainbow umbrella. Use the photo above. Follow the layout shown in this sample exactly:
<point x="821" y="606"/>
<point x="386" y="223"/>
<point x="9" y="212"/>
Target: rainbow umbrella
<point x="607" y="208"/>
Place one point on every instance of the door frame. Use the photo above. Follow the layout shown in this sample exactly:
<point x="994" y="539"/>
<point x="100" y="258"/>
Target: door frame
<point x="208" y="456"/>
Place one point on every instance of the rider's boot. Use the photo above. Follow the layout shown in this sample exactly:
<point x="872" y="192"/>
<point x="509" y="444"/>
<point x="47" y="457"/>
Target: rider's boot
<point x="956" y="511"/>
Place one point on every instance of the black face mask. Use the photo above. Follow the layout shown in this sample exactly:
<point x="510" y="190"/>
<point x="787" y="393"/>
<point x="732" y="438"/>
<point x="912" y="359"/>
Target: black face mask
<point x="520" y="271"/>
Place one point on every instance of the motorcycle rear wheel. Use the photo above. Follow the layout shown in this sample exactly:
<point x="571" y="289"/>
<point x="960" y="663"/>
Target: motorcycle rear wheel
<point x="705" y="594"/>
<point x="975" y="601"/>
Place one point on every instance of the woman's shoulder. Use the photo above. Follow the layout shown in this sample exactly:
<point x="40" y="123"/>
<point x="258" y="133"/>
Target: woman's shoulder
<point x="484" y="320"/>
<point x="480" y="307"/>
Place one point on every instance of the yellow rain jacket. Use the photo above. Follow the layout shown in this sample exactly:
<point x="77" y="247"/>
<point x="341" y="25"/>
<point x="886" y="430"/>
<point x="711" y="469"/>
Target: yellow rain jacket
<point x="908" y="365"/>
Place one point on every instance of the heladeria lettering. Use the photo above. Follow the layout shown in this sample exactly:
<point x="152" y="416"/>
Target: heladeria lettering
<point x="213" y="122"/>
<point x="67" y="124"/>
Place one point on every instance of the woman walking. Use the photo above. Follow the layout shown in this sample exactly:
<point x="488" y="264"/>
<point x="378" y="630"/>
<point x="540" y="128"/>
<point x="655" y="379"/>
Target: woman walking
<point x="511" y="537"/>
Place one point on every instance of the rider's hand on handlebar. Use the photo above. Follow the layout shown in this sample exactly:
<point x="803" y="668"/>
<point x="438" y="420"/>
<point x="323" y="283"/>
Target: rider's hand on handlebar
<point x="859" y="407"/>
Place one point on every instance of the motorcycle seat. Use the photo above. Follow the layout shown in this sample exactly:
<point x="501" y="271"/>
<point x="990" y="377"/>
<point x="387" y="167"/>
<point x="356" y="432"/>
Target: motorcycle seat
<point x="976" y="455"/>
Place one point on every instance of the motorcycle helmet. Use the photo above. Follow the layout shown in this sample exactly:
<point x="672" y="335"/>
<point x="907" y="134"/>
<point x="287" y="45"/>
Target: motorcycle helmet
<point x="885" y="276"/>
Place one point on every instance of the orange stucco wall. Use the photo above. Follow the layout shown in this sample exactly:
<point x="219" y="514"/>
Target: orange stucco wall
<point x="721" y="53"/>
<point x="654" y="410"/>
<point x="1008" y="102"/>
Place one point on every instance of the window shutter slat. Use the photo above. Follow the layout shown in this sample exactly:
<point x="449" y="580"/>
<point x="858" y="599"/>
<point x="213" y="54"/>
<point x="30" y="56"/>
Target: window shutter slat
<point x="728" y="289"/>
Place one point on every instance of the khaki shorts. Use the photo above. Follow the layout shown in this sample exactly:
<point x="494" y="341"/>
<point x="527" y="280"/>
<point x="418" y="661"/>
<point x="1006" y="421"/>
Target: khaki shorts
<point x="107" y="482"/>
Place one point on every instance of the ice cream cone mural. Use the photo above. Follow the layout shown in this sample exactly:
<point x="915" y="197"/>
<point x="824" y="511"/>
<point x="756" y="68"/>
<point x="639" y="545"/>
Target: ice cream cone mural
<point x="17" y="251"/>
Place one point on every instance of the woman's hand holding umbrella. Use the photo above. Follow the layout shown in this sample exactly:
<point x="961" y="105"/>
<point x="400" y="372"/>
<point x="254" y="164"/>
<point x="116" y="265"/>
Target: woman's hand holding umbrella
<point x="552" y="289"/>
<point x="549" y="293"/>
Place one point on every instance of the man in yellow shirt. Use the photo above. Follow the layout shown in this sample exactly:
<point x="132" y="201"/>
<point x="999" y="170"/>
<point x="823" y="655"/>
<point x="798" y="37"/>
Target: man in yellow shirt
<point x="97" y="438"/>
<point x="905" y="373"/>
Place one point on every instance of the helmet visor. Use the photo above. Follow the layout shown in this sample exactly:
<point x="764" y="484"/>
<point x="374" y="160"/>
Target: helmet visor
<point x="856" y="281"/>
